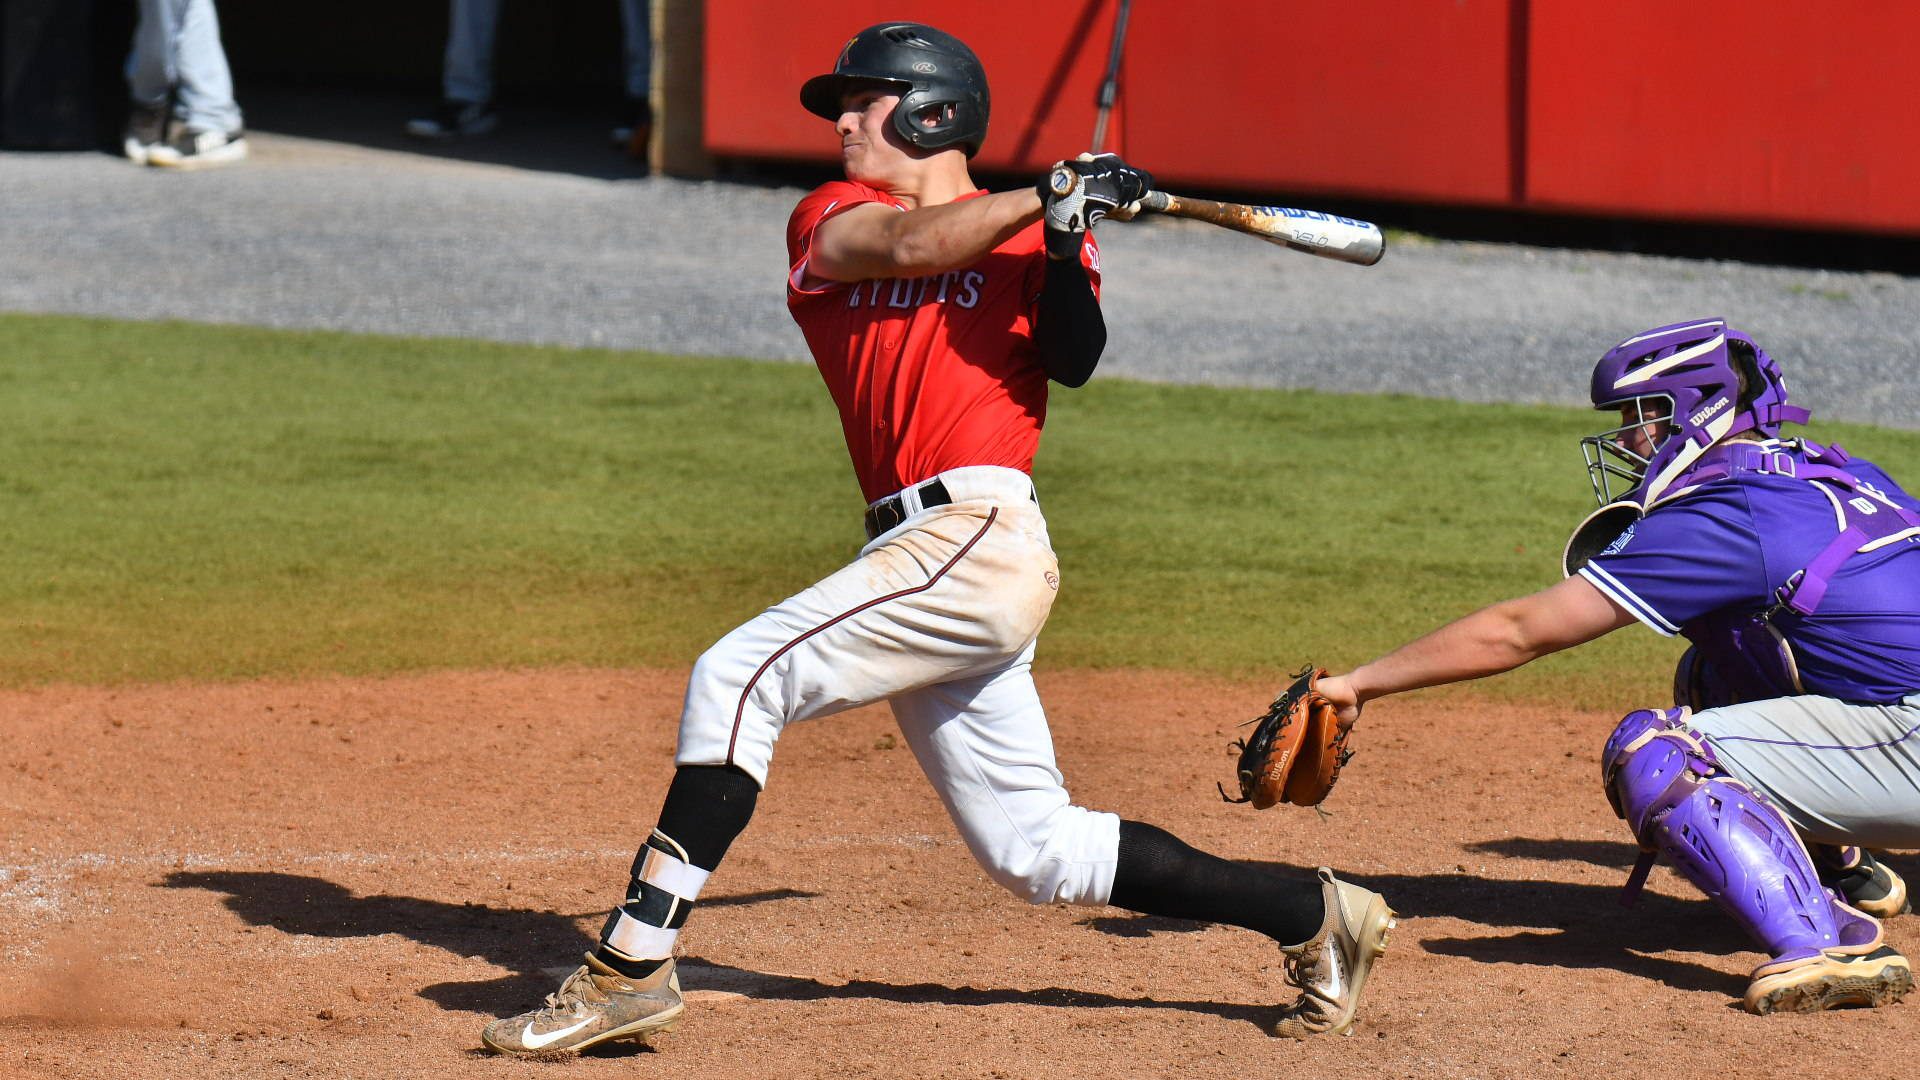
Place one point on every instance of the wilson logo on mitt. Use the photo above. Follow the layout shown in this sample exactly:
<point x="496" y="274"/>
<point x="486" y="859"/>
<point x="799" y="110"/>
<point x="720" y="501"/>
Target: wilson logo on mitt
<point x="1297" y="750"/>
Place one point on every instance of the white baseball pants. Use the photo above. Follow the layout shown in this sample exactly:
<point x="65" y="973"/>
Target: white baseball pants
<point x="939" y="616"/>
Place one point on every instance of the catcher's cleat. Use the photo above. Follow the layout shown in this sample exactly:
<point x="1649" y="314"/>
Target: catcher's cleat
<point x="595" y="1005"/>
<point x="1862" y="880"/>
<point x="1331" y="967"/>
<point x="1829" y="980"/>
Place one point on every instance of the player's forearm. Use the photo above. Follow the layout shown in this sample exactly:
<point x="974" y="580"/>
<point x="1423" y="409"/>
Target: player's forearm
<point x="1487" y="642"/>
<point x="1492" y="640"/>
<point x="935" y="239"/>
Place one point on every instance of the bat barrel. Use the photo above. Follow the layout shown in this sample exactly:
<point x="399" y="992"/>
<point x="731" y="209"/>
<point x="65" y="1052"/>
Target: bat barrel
<point x="1329" y="236"/>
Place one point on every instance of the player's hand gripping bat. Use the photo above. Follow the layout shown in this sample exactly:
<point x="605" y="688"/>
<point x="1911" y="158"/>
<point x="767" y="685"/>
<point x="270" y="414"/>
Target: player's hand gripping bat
<point x="1329" y="236"/>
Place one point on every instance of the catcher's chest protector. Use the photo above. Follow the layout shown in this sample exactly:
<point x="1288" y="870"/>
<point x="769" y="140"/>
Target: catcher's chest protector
<point x="1748" y="656"/>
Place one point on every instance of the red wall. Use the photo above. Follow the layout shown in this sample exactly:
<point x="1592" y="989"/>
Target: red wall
<point x="1043" y="74"/>
<point x="1386" y="98"/>
<point x="1211" y="95"/>
<point x="1767" y="111"/>
<point x="1804" y="114"/>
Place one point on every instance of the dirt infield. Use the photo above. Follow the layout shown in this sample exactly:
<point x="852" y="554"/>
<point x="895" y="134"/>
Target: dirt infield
<point x="346" y="878"/>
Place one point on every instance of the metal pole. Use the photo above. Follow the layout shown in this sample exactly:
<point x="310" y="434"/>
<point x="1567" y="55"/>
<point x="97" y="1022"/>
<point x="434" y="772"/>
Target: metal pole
<point x="1110" y="86"/>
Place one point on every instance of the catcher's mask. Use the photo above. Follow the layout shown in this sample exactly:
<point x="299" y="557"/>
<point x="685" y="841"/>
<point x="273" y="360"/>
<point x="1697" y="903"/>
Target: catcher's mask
<point x="1696" y="383"/>
<point x="942" y="87"/>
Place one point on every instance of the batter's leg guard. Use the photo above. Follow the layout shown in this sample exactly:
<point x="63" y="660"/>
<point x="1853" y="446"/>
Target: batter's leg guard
<point x="1739" y="850"/>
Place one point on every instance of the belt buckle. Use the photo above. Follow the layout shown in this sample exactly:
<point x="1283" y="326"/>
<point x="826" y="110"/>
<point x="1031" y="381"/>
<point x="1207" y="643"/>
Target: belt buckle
<point x="884" y="515"/>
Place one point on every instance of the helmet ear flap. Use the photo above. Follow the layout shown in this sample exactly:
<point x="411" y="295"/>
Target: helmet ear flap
<point x="928" y="119"/>
<point x="1746" y="369"/>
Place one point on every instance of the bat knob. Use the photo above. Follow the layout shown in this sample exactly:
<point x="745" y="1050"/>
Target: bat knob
<point x="1062" y="180"/>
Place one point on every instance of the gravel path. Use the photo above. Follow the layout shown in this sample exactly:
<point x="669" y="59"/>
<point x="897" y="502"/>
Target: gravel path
<point x="332" y="235"/>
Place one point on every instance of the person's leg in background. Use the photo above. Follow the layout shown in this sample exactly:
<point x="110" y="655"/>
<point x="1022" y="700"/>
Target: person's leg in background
<point x="466" y="81"/>
<point x="635" y="130"/>
<point x="150" y="78"/>
<point x="210" y="123"/>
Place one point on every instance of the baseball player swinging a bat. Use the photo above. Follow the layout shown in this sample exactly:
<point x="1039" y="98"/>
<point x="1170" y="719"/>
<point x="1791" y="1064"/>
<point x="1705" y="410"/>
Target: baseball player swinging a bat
<point x="1794" y="742"/>
<point x="937" y="314"/>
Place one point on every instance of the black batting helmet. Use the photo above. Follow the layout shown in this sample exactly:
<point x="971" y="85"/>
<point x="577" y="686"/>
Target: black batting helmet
<point x="927" y="68"/>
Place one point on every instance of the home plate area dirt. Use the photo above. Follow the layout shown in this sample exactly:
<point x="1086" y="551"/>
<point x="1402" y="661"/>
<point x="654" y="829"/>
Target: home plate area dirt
<point x="349" y="877"/>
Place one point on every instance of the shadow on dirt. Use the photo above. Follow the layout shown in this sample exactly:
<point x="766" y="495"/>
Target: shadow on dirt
<point x="1615" y="855"/>
<point x="526" y="942"/>
<point x="1140" y="926"/>
<point x="532" y="943"/>
<point x="701" y="974"/>
<point x="1564" y="925"/>
<point x="1569" y="924"/>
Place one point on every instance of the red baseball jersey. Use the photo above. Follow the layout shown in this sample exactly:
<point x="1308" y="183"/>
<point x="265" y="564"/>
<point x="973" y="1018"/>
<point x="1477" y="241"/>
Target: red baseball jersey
<point x="929" y="373"/>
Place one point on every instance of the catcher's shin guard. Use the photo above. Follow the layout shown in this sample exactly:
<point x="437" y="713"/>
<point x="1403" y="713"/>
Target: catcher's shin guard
<point x="1739" y="850"/>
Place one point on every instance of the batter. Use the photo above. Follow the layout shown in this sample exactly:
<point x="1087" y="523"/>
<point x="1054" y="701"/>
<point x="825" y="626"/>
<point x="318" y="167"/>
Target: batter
<point x="938" y="314"/>
<point x="1794" y="572"/>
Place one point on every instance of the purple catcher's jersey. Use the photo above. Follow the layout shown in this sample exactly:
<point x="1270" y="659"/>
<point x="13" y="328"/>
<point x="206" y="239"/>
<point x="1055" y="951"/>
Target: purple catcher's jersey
<point x="1730" y="543"/>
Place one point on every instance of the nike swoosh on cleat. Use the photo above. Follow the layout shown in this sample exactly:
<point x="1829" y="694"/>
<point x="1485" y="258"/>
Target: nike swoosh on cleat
<point x="1337" y="980"/>
<point x="535" y="1042"/>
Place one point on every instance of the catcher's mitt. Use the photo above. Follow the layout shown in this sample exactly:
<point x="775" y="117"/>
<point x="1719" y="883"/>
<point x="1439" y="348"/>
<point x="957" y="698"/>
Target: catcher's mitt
<point x="1296" y="752"/>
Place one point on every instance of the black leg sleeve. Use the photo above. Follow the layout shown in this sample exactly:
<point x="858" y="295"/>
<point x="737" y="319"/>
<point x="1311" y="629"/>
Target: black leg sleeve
<point x="707" y="806"/>
<point x="1158" y="874"/>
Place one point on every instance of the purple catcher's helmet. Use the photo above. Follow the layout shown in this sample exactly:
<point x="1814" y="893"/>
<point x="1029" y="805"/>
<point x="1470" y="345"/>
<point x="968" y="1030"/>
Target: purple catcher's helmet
<point x="1695" y="368"/>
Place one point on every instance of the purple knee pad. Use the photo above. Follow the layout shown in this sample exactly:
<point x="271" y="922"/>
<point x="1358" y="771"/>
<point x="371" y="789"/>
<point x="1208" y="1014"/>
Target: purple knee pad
<point x="1635" y="728"/>
<point x="1723" y="837"/>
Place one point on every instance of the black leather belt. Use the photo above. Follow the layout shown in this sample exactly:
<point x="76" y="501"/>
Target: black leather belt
<point x="892" y="510"/>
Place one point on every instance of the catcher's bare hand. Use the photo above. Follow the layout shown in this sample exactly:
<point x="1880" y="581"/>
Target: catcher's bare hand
<point x="1346" y="701"/>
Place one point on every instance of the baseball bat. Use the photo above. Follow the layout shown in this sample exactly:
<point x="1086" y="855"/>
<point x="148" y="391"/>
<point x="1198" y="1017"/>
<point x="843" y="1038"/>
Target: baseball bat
<point x="1329" y="236"/>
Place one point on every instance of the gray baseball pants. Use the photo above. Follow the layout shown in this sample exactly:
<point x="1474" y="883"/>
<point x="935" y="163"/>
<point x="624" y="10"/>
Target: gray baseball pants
<point x="1842" y="773"/>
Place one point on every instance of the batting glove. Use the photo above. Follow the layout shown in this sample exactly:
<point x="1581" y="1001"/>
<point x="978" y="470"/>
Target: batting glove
<point x="1076" y="194"/>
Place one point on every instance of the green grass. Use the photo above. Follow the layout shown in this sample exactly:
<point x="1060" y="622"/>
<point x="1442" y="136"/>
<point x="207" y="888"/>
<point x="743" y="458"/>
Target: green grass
<point x="193" y="502"/>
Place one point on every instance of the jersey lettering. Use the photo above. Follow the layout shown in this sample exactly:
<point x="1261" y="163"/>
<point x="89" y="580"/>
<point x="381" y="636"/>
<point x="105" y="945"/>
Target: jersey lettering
<point x="970" y="289"/>
<point x="908" y="293"/>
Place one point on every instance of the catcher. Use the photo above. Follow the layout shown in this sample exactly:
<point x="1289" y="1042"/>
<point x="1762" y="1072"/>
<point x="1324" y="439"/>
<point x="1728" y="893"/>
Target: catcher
<point x="1793" y="745"/>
